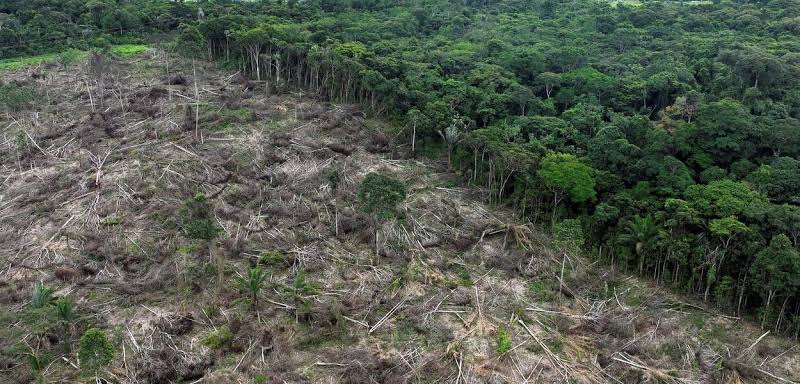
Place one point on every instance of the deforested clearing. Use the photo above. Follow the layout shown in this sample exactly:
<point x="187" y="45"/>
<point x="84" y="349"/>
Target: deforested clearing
<point x="207" y="232"/>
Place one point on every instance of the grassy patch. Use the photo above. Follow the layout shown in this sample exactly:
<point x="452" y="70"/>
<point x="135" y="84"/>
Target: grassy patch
<point x="125" y="50"/>
<point x="218" y="338"/>
<point x="129" y="49"/>
<point x="22" y="62"/>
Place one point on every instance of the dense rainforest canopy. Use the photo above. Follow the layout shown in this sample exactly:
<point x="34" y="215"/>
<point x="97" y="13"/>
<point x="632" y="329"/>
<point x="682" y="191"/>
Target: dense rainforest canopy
<point x="669" y="129"/>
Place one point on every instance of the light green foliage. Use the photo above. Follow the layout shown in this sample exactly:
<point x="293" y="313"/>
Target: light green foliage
<point x="129" y="49"/>
<point x="564" y="173"/>
<point x="722" y="198"/>
<point x="379" y="194"/>
<point x="96" y="351"/>
<point x="727" y="226"/>
<point x="69" y="57"/>
<point x="22" y="62"/>
<point x="503" y="340"/>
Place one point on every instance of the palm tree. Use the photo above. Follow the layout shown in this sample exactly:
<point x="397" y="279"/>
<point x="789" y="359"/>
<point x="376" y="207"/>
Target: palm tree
<point x="641" y="233"/>
<point x="42" y="296"/>
<point x="65" y="315"/>
<point x="251" y="284"/>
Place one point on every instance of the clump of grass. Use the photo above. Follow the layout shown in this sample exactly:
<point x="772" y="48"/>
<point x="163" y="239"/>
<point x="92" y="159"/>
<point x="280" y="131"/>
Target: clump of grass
<point x="540" y="290"/>
<point x="303" y="286"/>
<point x="218" y="338"/>
<point x="42" y="296"/>
<point x="273" y="258"/>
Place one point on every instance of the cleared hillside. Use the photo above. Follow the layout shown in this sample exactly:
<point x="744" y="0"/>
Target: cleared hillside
<point x="100" y="169"/>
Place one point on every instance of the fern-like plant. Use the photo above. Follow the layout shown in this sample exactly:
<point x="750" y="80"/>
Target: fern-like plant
<point x="503" y="341"/>
<point x="38" y="363"/>
<point x="42" y="296"/>
<point x="65" y="315"/>
<point x="251" y="284"/>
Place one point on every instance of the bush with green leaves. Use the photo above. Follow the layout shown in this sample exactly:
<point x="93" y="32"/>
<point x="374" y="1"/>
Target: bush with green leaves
<point x="379" y="194"/>
<point x="14" y="98"/>
<point x="196" y="218"/>
<point x="95" y="353"/>
<point x="569" y="235"/>
<point x="219" y="338"/>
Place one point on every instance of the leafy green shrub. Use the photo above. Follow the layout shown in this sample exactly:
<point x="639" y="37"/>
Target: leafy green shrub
<point x="96" y="351"/>
<point x="197" y="219"/>
<point x="219" y="338"/>
<point x="14" y="98"/>
<point x="379" y="195"/>
<point x="272" y="259"/>
<point x="569" y="235"/>
<point x="503" y="340"/>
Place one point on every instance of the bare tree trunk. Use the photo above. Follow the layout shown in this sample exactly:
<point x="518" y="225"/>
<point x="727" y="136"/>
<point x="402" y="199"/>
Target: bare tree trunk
<point x="414" y="139"/>
<point x="766" y="308"/>
<point x="197" y="103"/>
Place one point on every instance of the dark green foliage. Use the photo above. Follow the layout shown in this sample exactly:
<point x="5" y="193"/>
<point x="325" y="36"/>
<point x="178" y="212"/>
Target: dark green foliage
<point x="219" y="338"/>
<point x="197" y="219"/>
<point x="14" y="98"/>
<point x="671" y="126"/>
<point x="378" y="195"/>
<point x="96" y="351"/>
